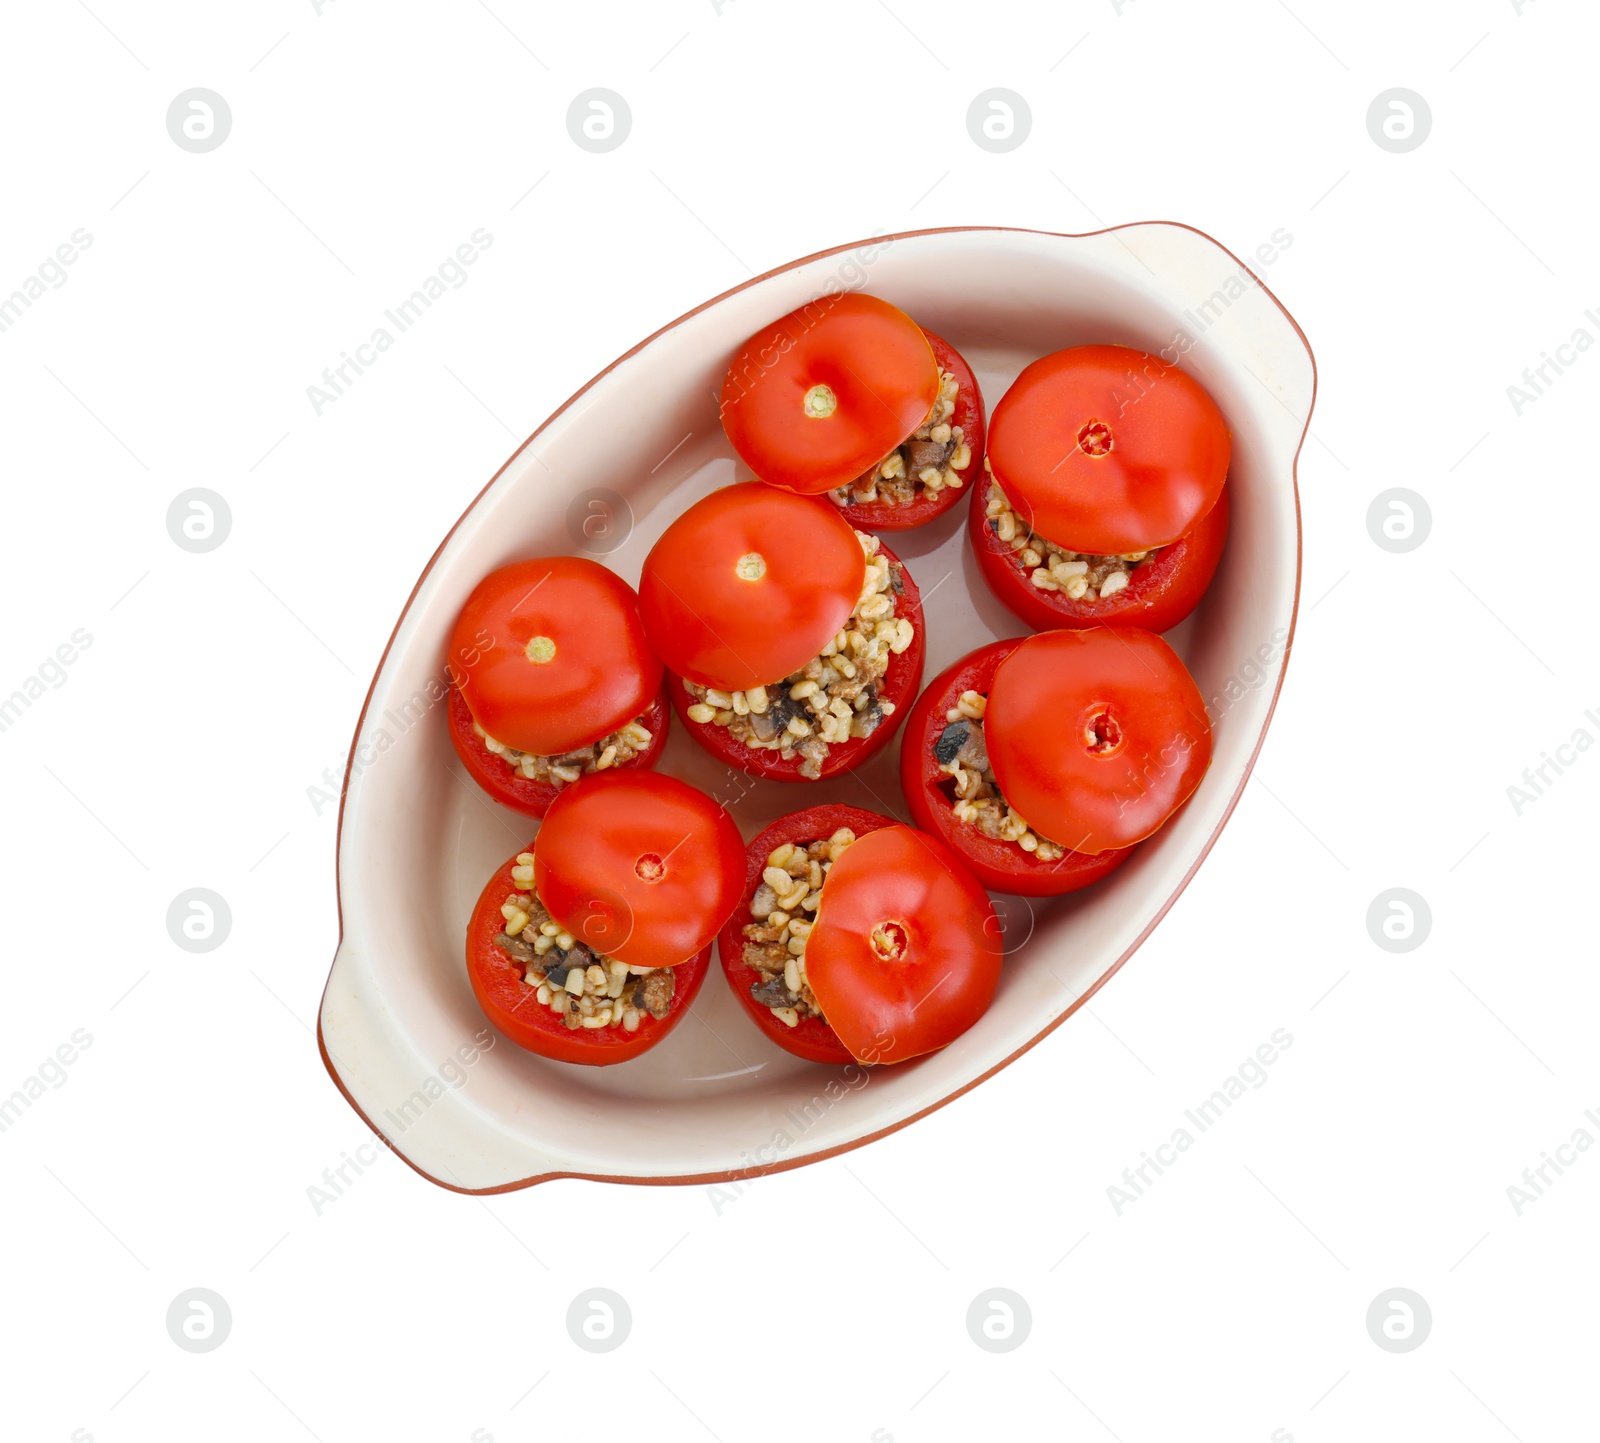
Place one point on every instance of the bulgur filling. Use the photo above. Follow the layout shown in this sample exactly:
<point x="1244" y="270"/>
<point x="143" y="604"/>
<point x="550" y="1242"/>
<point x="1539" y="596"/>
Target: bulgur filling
<point x="784" y="910"/>
<point x="834" y="696"/>
<point x="1053" y="567"/>
<point x="584" y="988"/>
<point x="976" y="799"/>
<point x="622" y="745"/>
<point x="932" y="457"/>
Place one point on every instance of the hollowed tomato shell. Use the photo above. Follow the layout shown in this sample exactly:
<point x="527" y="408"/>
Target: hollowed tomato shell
<point x="1159" y="594"/>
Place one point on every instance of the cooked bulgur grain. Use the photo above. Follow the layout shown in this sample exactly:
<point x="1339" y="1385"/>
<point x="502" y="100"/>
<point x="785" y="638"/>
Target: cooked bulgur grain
<point x="976" y="800"/>
<point x="783" y="910"/>
<point x="932" y="457"/>
<point x="623" y="745"/>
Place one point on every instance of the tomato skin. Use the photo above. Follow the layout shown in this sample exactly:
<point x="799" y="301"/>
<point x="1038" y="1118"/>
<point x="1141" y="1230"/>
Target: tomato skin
<point x="1164" y="468"/>
<point x="879" y="516"/>
<point x="1000" y="866"/>
<point x="1158" y="595"/>
<point x="602" y="672"/>
<point x="1057" y="688"/>
<point x="514" y="1008"/>
<point x="892" y="1011"/>
<point x="900" y="683"/>
<point x="811" y="1038"/>
<point x="879" y="366"/>
<point x="709" y="623"/>
<point x="638" y="865"/>
<point x="510" y="788"/>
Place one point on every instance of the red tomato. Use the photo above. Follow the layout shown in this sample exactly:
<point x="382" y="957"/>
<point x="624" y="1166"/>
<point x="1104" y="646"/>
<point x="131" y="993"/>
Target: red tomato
<point x="1000" y="866"/>
<point x="904" y="955"/>
<point x="514" y="1007"/>
<point x="642" y="867"/>
<point x="899" y="687"/>
<point x="1108" y="450"/>
<point x="508" y="786"/>
<point x="749" y="584"/>
<point x="1096" y="737"/>
<point x="550" y="655"/>
<point x="811" y="1038"/>
<point x="1159" y="594"/>
<point x="880" y="515"/>
<point x="827" y="391"/>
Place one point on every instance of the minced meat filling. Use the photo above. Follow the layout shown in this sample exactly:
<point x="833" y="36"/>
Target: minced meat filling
<point x="584" y="988"/>
<point x="932" y="458"/>
<point x="834" y="696"/>
<point x="623" y="745"/>
<point x="975" y="798"/>
<point x="783" y="911"/>
<point x="1052" y="567"/>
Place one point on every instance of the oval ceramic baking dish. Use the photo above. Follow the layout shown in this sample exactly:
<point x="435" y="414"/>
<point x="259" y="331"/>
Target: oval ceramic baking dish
<point x="604" y="476"/>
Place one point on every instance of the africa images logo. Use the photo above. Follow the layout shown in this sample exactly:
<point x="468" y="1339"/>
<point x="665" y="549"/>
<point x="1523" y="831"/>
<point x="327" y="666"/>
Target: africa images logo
<point x="451" y="274"/>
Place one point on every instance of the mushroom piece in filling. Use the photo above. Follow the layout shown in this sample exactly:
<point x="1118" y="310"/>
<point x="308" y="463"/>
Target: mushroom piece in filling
<point x="784" y="910"/>
<point x="932" y="457"/>
<point x="623" y="745"/>
<point x="584" y="988"/>
<point x="1053" y="567"/>
<point x="976" y="798"/>
<point x="834" y="696"/>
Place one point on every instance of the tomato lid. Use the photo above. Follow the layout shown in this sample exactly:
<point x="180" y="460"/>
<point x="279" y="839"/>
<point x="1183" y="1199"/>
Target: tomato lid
<point x="749" y="584"/>
<point x="1096" y="737"/>
<point x="550" y="654"/>
<point x="905" y="951"/>
<point x="827" y="391"/>
<point x="638" y="866"/>
<point x="1108" y="450"/>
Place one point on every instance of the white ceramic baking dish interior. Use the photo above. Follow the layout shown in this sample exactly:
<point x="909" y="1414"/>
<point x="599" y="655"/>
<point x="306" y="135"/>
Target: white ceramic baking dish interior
<point x="417" y="840"/>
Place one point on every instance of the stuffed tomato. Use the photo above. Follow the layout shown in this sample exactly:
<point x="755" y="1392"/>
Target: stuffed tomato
<point x="532" y="977"/>
<point x="851" y="397"/>
<point x="551" y="680"/>
<point x="859" y="939"/>
<point x="793" y="642"/>
<point x="1104" y="497"/>
<point x="1043" y="761"/>
<point x="590" y="945"/>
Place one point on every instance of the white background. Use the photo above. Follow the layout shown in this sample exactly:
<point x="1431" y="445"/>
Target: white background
<point x="367" y="142"/>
